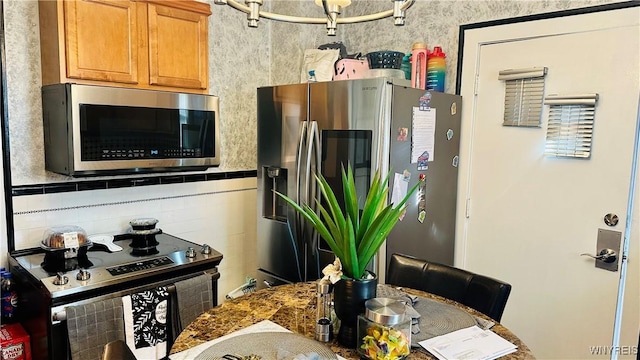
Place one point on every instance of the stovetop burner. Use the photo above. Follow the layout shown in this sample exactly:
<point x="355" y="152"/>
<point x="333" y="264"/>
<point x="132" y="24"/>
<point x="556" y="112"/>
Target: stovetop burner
<point x="162" y="253"/>
<point x="55" y="262"/>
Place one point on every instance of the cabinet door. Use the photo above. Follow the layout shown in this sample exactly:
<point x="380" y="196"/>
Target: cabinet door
<point x="101" y="39"/>
<point x="178" y="44"/>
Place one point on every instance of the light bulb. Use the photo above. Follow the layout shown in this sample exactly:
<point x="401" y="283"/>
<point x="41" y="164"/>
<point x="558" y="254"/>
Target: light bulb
<point x="341" y="3"/>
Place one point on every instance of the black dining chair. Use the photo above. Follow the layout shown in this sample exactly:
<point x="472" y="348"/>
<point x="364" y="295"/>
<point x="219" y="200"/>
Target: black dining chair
<point x="485" y="294"/>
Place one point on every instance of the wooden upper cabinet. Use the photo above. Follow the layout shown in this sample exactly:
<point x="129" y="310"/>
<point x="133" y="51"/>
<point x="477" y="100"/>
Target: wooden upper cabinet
<point x="101" y="40"/>
<point x="178" y="41"/>
<point x="154" y="44"/>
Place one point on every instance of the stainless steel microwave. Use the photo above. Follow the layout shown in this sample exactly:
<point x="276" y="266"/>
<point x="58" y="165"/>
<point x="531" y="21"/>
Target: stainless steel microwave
<point x="100" y="130"/>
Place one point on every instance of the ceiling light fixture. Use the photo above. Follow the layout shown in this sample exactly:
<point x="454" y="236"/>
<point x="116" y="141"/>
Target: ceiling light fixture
<point x="332" y="9"/>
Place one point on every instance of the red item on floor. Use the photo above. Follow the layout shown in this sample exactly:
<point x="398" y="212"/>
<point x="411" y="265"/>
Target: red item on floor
<point x="14" y="342"/>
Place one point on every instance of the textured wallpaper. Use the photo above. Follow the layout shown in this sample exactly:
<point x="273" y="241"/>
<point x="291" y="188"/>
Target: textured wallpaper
<point x="238" y="63"/>
<point x="242" y="59"/>
<point x="434" y="22"/>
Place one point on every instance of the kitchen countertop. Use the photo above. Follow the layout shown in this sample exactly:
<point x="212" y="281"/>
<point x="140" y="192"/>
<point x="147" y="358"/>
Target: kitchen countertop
<point x="293" y="307"/>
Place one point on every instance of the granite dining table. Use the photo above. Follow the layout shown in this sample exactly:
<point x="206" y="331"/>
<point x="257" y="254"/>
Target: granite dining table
<point x="293" y="306"/>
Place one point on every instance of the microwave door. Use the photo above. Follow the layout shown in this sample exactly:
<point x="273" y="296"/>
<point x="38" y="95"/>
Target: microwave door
<point x="207" y="133"/>
<point x="204" y="130"/>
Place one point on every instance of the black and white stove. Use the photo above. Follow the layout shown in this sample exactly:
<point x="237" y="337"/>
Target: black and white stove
<point x="46" y="288"/>
<point x="102" y="268"/>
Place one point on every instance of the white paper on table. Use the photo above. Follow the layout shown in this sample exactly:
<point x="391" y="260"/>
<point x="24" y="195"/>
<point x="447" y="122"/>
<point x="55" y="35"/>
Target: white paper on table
<point x="423" y="133"/>
<point x="262" y="326"/>
<point x="399" y="190"/>
<point x="469" y="343"/>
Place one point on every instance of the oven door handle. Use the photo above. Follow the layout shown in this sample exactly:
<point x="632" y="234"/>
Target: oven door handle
<point x="59" y="316"/>
<point x="59" y="313"/>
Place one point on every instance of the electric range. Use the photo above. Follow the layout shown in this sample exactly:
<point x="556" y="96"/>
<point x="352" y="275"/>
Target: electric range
<point x="45" y="289"/>
<point x="102" y="268"/>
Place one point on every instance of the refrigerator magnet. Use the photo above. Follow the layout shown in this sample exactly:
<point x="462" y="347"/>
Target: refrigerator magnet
<point x="423" y="161"/>
<point x="422" y="200"/>
<point x="425" y="101"/>
<point x="403" y="132"/>
<point x="422" y="196"/>
<point x="454" y="162"/>
<point x="406" y="175"/>
<point x="421" y="215"/>
<point x="449" y="134"/>
<point x="454" y="108"/>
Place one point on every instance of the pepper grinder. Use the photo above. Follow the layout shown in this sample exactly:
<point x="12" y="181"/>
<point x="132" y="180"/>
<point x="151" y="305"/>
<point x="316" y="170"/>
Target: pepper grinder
<point x="324" y="328"/>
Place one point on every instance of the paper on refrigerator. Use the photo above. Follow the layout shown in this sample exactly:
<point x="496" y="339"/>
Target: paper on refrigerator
<point x="399" y="190"/>
<point x="423" y="136"/>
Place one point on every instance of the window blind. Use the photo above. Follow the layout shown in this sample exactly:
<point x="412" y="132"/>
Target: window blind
<point x="524" y="90"/>
<point x="570" y="125"/>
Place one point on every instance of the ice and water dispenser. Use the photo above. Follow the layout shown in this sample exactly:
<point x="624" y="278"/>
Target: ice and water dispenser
<point x="274" y="207"/>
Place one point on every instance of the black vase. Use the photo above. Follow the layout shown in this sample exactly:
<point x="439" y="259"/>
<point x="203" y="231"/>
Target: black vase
<point x="349" y="297"/>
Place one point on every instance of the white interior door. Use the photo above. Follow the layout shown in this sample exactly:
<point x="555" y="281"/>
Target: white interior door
<point x="524" y="217"/>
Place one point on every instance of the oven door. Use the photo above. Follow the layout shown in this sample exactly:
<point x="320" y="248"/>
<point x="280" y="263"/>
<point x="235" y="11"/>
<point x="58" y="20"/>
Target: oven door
<point x="58" y="341"/>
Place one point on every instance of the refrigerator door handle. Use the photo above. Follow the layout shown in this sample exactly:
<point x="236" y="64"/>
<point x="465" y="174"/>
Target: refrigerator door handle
<point x="313" y="193"/>
<point x="301" y="147"/>
<point x="308" y="177"/>
<point x="315" y="144"/>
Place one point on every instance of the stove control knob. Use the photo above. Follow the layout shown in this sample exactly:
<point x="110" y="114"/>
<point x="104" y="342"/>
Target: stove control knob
<point x="190" y="253"/>
<point x="83" y="275"/>
<point x="206" y="249"/>
<point x="60" y="279"/>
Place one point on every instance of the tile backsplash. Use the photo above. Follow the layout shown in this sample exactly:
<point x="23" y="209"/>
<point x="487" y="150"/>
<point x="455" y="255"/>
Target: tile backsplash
<point x="220" y="213"/>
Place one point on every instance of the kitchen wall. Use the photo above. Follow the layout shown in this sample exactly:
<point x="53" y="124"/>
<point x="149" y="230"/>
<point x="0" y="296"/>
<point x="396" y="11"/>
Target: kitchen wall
<point x="238" y="62"/>
<point x="433" y="22"/>
<point x="221" y="213"/>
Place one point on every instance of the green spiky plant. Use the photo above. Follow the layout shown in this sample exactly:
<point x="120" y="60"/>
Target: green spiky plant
<point x="354" y="237"/>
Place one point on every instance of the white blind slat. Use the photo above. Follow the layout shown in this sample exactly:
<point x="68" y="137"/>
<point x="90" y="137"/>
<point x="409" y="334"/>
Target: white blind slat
<point x="570" y="125"/>
<point x="524" y="91"/>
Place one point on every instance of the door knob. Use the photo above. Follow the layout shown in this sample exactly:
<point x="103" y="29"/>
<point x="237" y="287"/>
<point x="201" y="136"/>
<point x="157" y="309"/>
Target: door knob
<point x="606" y="255"/>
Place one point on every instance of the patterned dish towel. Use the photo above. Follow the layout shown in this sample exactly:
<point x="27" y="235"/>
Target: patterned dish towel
<point x="145" y="323"/>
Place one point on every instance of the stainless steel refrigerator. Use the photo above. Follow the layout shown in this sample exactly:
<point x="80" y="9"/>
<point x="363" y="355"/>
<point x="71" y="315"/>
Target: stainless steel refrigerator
<point x="380" y="123"/>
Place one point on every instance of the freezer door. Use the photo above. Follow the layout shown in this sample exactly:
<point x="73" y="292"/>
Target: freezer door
<point x="281" y="139"/>
<point x="414" y="132"/>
